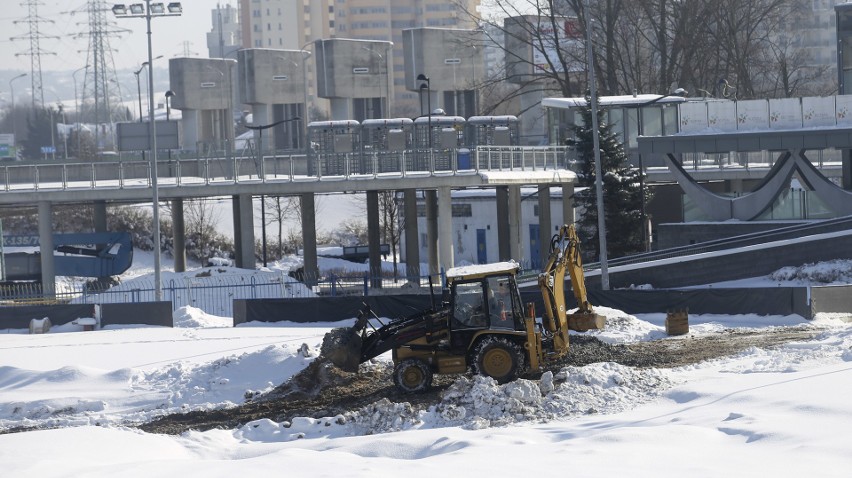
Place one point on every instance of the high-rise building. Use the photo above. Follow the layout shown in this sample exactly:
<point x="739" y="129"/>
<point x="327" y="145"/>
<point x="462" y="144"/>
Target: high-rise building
<point x="285" y="24"/>
<point x="225" y="38"/>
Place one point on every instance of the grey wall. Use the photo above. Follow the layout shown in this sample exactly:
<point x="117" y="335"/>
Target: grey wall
<point x="269" y="76"/>
<point x="146" y="313"/>
<point x="684" y="234"/>
<point x="352" y="68"/>
<point x="451" y="58"/>
<point x="201" y="83"/>
<point x="722" y="266"/>
<point x="836" y="299"/>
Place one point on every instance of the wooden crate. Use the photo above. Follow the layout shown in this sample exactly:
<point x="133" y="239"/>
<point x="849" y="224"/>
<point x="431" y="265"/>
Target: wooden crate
<point x="677" y="322"/>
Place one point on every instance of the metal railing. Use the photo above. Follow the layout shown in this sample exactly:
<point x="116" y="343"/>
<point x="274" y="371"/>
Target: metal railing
<point x="183" y="170"/>
<point x="215" y="294"/>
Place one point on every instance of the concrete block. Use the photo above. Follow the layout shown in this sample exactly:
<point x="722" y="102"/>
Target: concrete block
<point x="40" y="326"/>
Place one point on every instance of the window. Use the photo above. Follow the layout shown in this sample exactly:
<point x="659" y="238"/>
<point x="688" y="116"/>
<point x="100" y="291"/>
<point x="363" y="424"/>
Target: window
<point x="469" y="308"/>
<point x="459" y="210"/>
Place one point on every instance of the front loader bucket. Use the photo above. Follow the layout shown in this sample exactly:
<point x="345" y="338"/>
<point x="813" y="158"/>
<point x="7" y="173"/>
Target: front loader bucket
<point x="342" y="346"/>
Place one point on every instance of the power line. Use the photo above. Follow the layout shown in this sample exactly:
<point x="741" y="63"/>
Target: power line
<point x="34" y="36"/>
<point x="100" y="86"/>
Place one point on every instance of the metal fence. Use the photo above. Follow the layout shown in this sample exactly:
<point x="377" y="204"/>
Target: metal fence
<point x="214" y="294"/>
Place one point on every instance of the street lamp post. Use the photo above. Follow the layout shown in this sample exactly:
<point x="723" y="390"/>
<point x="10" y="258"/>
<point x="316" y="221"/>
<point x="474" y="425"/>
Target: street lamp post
<point x="386" y="75"/>
<point x="593" y="96"/>
<point x="426" y="85"/>
<point x="139" y="88"/>
<point x="169" y="95"/>
<point x="150" y="10"/>
<point x="12" y="88"/>
<point x="77" y="107"/>
<point x="307" y="114"/>
<point x="64" y="131"/>
<point x="52" y="135"/>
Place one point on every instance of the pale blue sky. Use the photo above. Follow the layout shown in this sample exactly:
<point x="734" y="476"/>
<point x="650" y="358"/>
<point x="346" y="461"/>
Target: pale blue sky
<point x="68" y="20"/>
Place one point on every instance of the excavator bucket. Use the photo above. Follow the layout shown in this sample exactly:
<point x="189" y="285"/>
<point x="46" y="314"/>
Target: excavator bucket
<point x="342" y="345"/>
<point x="583" y="322"/>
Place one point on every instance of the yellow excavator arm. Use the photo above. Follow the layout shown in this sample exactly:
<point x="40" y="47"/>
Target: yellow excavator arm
<point x="565" y="255"/>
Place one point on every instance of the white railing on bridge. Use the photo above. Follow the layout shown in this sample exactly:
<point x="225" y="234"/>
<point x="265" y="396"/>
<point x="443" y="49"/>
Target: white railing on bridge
<point x="182" y="171"/>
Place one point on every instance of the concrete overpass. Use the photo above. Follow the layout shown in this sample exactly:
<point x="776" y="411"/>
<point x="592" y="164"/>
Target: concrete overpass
<point x="44" y="185"/>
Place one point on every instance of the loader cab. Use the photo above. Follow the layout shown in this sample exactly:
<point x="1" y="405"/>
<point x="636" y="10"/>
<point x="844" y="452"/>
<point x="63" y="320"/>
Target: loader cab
<point x="489" y="302"/>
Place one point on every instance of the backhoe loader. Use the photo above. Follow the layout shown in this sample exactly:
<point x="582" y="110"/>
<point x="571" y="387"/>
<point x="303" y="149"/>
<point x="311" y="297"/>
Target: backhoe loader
<point x="481" y="326"/>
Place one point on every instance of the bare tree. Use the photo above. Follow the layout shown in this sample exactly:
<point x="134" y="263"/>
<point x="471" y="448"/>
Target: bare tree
<point x="390" y="224"/>
<point x="650" y="46"/>
<point x="277" y="210"/>
<point x="202" y="218"/>
<point x="283" y="210"/>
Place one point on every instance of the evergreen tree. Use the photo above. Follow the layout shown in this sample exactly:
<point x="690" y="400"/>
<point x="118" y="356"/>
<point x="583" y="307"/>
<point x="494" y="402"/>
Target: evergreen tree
<point x="621" y="192"/>
<point x="39" y="124"/>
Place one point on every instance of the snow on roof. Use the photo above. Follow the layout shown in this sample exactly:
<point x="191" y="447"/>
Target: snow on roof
<point x="621" y="100"/>
<point x="476" y="269"/>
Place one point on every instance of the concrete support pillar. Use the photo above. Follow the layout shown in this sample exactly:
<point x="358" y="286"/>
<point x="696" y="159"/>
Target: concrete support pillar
<point x="179" y="233"/>
<point x="244" y="231"/>
<point x="100" y="222"/>
<point x="309" y="239"/>
<point x="446" y="253"/>
<point x="341" y="109"/>
<point x="432" y="231"/>
<point x="189" y="129"/>
<point x="545" y="227"/>
<point x="412" y="243"/>
<point x="374" y="239"/>
<point x="503" y="249"/>
<point x="735" y="186"/>
<point x="100" y="219"/>
<point x="45" y="238"/>
<point x="238" y="244"/>
<point x="515" y="244"/>
<point x="568" y="203"/>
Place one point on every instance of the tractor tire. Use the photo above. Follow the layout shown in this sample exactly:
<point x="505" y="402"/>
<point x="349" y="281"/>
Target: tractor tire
<point x="412" y="375"/>
<point x="499" y="358"/>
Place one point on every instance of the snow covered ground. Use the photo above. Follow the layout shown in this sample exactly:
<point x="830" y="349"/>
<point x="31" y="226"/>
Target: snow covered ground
<point x="783" y="412"/>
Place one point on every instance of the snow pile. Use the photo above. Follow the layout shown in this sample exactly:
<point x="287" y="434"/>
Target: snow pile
<point x="623" y="328"/>
<point x="480" y="402"/>
<point x="830" y="272"/>
<point x="133" y="396"/>
<point x="192" y="317"/>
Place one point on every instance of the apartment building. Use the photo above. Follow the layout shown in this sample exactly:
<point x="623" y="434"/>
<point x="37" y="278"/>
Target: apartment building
<point x="225" y="37"/>
<point x="285" y="24"/>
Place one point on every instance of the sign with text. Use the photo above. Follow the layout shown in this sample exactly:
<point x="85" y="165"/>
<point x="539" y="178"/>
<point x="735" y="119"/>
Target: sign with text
<point x="553" y="34"/>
